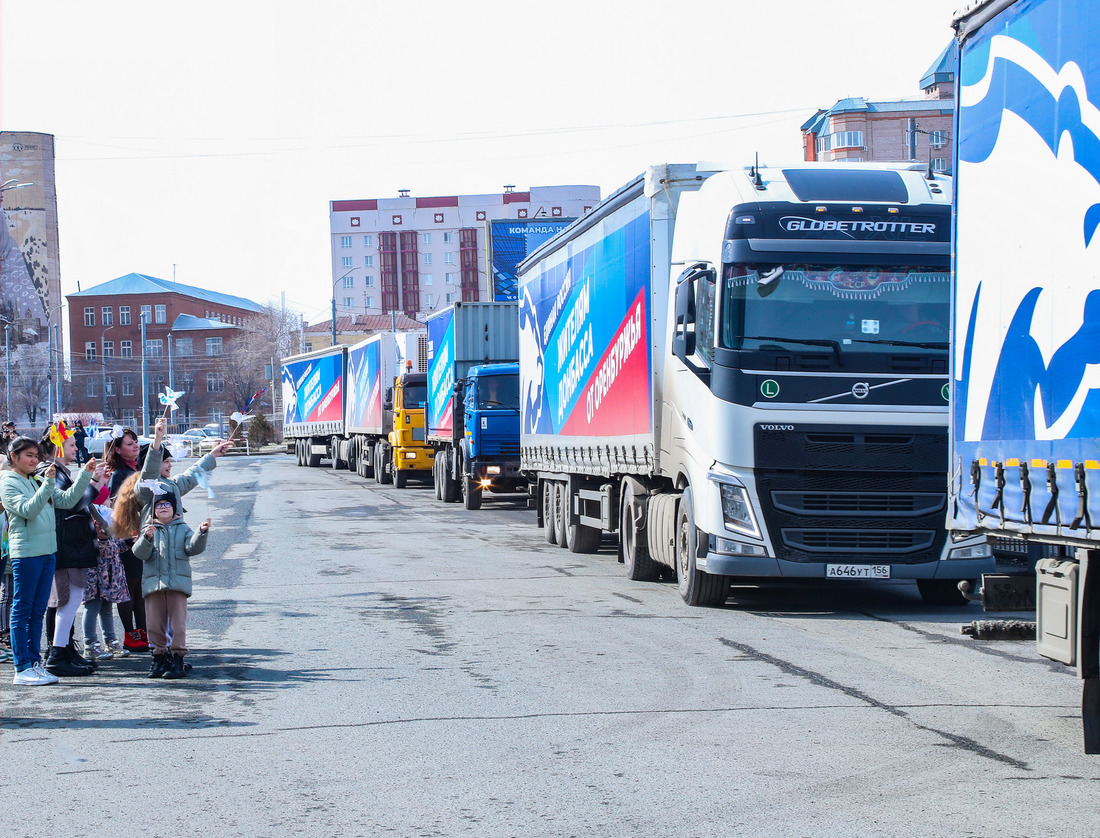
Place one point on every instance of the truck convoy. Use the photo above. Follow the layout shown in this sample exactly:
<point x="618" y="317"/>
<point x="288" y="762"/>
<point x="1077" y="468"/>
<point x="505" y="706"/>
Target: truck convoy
<point x="473" y="401"/>
<point x="1025" y="423"/>
<point x="361" y="407"/>
<point x="745" y="374"/>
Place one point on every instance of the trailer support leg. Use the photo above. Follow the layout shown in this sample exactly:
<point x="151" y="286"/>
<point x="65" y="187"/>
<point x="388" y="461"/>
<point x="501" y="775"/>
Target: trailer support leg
<point x="1088" y="658"/>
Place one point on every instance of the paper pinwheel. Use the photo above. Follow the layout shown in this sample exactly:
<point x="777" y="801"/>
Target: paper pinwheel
<point x="59" y="433"/>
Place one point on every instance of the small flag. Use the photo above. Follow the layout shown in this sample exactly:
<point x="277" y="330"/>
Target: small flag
<point x="256" y="396"/>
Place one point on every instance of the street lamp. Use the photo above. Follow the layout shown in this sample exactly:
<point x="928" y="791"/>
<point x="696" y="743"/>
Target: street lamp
<point x="338" y="279"/>
<point x="7" y="361"/>
<point x="103" y="357"/>
<point x="51" y="389"/>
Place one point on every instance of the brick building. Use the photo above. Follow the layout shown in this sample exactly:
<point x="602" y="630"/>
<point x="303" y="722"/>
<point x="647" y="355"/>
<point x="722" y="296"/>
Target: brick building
<point x="351" y="330"/>
<point x="418" y="255"/>
<point x="916" y="129"/>
<point x="188" y="333"/>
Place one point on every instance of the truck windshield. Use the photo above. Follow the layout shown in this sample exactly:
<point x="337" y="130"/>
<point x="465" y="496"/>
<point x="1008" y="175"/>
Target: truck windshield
<point x="414" y="395"/>
<point x="855" y="309"/>
<point x="498" y="392"/>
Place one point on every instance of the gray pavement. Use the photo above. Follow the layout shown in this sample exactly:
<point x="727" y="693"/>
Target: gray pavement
<point x="369" y="661"/>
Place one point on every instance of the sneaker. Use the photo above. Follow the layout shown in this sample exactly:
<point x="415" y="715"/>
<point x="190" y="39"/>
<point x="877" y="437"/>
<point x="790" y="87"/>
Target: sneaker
<point x="134" y="643"/>
<point x="98" y="652"/>
<point x="117" y="648"/>
<point x="145" y="638"/>
<point x="5" y="655"/>
<point x="30" y="677"/>
<point x="40" y="668"/>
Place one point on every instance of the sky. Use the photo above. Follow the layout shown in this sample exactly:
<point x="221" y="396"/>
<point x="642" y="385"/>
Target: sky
<point x="202" y="140"/>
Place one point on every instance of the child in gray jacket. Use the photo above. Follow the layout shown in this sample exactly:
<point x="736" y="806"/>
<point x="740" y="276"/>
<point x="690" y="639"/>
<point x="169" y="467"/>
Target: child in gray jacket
<point x="166" y="546"/>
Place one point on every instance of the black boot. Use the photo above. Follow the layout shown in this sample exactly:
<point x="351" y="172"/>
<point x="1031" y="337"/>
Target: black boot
<point x="58" y="663"/>
<point x="176" y="668"/>
<point x="161" y="665"/>
<point x="79" y="660"/>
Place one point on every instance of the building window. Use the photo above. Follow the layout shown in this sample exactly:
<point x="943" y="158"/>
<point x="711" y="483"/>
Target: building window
<point x="146" y="314"/>
<point x="153" y="348"/>
<point x="939" y="164"/>
<point x="108" y="318"/>
<point x="127" y="385"/>
<point x="124" y="315"/>
<point x="345" y="241"/>
<point x="184" y="347"/>
<point x="429" y="300"/>
<point x="346" y="262"/>
<point x="938" y="139"/>
<point x="128" y="416"/>
<point x="108" y="349"/>
<point x="349" y="302"/>
<point x="426" y="238"/>
<point x="89" y="316"/>
<point x="450" y="278"/>
<point x="841" y="139"/>
<point x="309" y="346"/>
<point x="125" y="349"/>
<point x="213" y="346"/>
<point x="89" y="389"/>
<point x="425" y="279"/>
<point x="214" y="383"/>
<point x="349" y="282"/>
<point x="448" y="258"/>
<point x="368" y="241"/>
<point x="446" y="238"/>
<point x="161" y="314"/>
<point x="370" y="304"/>
<point x="368" y="261"/>
<point x="427" y="258"/>
<point x="368" y="281"/>
<point x="89" y="351"/>
<point x="109" y="385"/>
<point x="450" y="298"/>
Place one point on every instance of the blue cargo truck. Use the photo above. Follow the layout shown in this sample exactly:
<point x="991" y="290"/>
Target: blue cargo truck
<point x="473" y="401"/>
<point x="1025" y="388"/>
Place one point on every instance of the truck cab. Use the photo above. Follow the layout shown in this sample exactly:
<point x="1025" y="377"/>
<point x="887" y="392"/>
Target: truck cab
<point x="489" y="398"/>
<point x="409" y="454"/>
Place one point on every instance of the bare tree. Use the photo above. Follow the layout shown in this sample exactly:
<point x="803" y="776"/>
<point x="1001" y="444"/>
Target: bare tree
<point x="268" y="337"/>
<point x="30" y="368"/>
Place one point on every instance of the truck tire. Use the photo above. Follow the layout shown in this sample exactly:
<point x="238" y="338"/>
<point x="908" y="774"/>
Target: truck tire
<point x="471" y="493"/>
<point x="581" y="538"/>
<point x="380" y="475"/>
<point x="400" y="478"/>
<point x="561" y="519"/>
<point x="941" y="592"/>
<point x="448" y="486"/>
<point x="549" y="515"/>
<point x="298" y="453"/>
<point x="334" y="453"/>
<point x="366" y="458"/>
<point x="312" y="460"/>
<point x="353" y="455"/>
<point x="634" y="539"/>
<point x="696" y="586"/>
<point x="435" y="477"/>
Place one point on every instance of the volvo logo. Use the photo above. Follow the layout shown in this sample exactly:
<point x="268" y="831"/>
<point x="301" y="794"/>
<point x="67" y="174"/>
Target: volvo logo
<point x="777" y="427"/>
<point x="860" y="389"/>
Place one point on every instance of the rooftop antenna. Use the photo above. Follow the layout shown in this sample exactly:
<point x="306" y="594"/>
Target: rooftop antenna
<point x="754" y="173"/>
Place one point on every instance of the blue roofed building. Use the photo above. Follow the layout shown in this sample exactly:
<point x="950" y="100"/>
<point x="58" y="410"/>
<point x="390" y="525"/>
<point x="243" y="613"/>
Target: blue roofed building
<point x="915" y="129"/>
<point x="189" y="332"/>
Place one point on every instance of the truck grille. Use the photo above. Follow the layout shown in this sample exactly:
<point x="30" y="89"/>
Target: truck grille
<point x="867" y="495"/>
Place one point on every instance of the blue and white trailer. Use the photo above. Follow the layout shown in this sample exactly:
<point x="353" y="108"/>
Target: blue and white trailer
<point x="743" y="372"/>
<point x="1025" y="424"/>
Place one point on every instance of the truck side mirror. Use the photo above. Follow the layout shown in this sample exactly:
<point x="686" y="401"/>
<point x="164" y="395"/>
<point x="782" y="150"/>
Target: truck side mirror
<point x="683" y="335"/>
<point x="387" y="399"/>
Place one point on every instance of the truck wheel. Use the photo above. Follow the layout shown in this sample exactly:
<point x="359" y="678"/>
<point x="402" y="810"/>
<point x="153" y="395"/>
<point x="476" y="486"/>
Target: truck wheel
<point x="941" y="592"/>
<point x="400" y="478"/>
<point x="312" y="460"/>
<point x="438" y="489"/>
<point x="632" y="536"/>
<point x="549" y="512"/>
<point x="471" y="493"/>
<point x="561" y="518"/>
<point x="353" y="455"/>
<point x="448" y="486"/>
<point x="380" y="465"/>
<point x="696" y="587"/>
<point x="366" y="457"/>
<point x="298" y="453"/>
<point x="581" y="538"/>
<point x="334" y="453"/>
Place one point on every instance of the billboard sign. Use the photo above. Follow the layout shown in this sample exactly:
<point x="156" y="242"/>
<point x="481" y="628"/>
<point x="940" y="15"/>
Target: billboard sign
<point x="510" y="242"/>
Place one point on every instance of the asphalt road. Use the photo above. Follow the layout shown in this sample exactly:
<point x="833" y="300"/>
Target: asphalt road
<point x="371" y="662"/>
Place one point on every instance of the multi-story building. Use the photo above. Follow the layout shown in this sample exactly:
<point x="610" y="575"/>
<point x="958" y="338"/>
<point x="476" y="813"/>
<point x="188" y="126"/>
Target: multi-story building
<point x="416" y="255"/>
<point x="916" y="130"/>
<point x="189" y="335"/>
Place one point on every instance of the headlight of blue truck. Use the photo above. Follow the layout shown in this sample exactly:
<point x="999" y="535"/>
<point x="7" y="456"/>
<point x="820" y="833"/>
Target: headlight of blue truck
<point x="737" y="510"/>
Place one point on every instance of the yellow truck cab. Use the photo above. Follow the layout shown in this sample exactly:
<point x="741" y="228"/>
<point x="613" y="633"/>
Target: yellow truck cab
<point x="409" y="453"/>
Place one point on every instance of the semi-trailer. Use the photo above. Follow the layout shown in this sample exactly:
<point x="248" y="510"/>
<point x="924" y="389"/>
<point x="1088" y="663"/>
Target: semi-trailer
<point x="1025" y="424"/>
<point x="361" y="407"/>
<point x="473" y="401"/>
<point x="744" y="373"/>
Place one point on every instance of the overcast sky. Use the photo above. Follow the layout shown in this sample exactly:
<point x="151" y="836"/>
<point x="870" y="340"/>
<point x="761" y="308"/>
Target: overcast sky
<point x="209" y="135"/>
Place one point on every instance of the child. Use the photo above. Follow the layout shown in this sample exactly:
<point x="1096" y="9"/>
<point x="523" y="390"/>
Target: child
<point x="106" y="584"/>
<point x="165" y="548"/>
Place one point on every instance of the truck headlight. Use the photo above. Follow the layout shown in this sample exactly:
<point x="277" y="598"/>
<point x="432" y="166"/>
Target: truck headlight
<point x="736" y="510"/>
<point x="976" y="551"/>
<point x="410" y="455"/>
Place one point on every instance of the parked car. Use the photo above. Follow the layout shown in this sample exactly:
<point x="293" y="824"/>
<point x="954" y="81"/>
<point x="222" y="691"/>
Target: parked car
<point x="96" y="444"/>
<point x="197" y="440"/>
